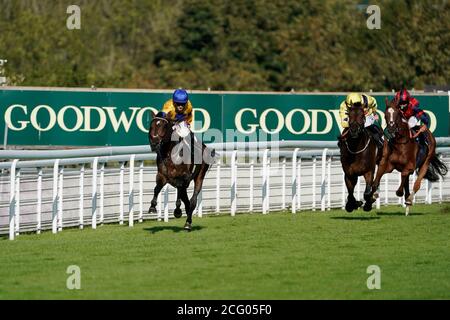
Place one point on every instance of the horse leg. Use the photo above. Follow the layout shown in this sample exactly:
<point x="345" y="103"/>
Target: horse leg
<point x="384" y="167"/>
<point x="420" y="176"/>
<point x="177" y="212"/>
<point x="160" y="183"/>
<point x="352" y="204"/>
<point x="368" y="191"/>
<point x="198" y="183"/>
<point x="401" y="188"/>
<point x="182" y="192"/>
<point x="408" y="202"/>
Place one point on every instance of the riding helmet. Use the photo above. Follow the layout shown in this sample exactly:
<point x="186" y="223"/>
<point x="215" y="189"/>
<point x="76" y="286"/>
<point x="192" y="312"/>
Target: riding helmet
<point x="403" y="97"/>
<point x="354" y="99"/>
<point x="180" y="96"/>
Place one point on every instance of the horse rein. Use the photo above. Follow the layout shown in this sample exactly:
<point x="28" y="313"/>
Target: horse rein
<point x="360" y="151"/>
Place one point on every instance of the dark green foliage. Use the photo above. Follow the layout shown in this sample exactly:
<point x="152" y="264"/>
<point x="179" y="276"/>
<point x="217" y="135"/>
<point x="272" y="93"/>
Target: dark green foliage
<point x="227" y="45"/>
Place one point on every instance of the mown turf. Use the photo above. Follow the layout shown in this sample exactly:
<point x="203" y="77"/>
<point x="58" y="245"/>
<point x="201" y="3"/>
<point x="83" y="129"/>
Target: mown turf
<point x="310" y="255"/>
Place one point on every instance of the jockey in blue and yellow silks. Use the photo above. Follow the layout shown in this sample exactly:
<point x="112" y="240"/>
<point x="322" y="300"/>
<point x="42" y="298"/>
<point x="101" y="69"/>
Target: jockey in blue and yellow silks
<point x="179" y="109"/>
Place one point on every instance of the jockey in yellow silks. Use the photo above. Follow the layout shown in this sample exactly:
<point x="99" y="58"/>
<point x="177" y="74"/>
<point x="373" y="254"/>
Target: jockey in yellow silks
<point x="179" y="109"/>
<point x="369" y="105"/>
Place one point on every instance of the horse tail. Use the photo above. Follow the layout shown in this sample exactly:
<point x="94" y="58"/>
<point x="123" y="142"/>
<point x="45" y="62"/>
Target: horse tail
<point x="435" y="169"/>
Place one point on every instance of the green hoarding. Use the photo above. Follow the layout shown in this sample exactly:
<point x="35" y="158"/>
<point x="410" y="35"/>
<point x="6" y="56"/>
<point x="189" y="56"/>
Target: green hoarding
<point x="71" y="117"/>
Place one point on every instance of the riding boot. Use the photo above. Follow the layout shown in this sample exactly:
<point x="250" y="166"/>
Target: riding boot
<point x="377" y="135"/>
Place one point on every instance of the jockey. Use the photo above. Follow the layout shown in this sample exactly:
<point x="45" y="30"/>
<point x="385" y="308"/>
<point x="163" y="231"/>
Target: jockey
<point x="369" y="105"/>
<point x="179" y="109"/>
<point x="409" y="107"/>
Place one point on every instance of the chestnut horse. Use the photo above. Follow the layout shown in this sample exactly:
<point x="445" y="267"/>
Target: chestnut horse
<point x="359" y="154"/>
<point x="177" y="173"/>
<point x="401" y="153"/>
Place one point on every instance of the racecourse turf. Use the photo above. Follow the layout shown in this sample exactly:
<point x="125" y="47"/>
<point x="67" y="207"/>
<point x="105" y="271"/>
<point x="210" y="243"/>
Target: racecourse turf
<point x="308" y="255"/>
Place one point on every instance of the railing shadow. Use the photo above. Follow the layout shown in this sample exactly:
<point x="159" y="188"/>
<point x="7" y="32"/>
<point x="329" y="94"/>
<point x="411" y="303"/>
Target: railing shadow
<point x="355" y="218"/>
<point x="175" y="229"/>
<point x="399" y="213"/>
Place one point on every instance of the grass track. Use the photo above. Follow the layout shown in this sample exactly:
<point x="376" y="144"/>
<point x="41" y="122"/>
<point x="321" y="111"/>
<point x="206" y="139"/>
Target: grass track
<point x="310" y="255"/>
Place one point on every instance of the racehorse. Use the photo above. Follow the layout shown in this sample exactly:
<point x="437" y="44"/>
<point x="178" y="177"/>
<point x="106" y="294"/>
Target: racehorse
<point x="359" y="155"/>
<point x="172" y="171"/>
<point x="401" y="153"/>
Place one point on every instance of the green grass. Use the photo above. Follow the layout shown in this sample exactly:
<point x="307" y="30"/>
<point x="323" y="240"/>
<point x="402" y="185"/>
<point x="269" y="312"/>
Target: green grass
<point x="310" y="255"/>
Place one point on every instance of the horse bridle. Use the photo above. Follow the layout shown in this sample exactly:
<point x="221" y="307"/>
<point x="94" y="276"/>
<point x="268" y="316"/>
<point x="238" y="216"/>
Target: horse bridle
<point x="398" y="129"/>
<point x="158" y="150"/>
<point x="362" y="150"/>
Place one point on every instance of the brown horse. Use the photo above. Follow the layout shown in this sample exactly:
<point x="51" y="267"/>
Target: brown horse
<point x="401" y="153"/>
<point x="359" y="155"/>
<point x="164" y="141"/>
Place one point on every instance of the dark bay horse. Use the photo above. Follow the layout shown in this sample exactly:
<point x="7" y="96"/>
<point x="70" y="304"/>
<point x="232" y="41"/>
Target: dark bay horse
<point x="359" y="154"/>
<point x="401" y="154"/>
<point x="177" y="173"/>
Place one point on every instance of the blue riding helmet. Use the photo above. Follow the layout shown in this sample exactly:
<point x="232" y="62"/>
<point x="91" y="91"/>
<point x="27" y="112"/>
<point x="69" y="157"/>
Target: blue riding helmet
<point x="180" y="96"/>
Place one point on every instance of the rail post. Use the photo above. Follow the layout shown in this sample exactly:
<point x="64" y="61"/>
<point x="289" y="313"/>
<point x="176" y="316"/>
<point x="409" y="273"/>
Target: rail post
<point x="102" y="193"/>
<point x="251" y="191"/>
<point x="299" y="183"/>
<point x="141" y="191"/>
<point x="121" y="209"/>
<point x="440" y="182"/>
<point x="233" y="194"/>
<point x="55" y="197"/>
<point x="218" y="186"/>
<point x="329" y="183"/>
<point x="314" y="165"/>
<point x="12" y="200"/>
<point x="166" y="203"/>
<point x="131" y="192"/>
<point x="81" y="200"/>
<point x="94" y="193"/>
<point x="17" y="215"/>
<point x="39" y="202"/>
<point x="294" y="181"/>
<point x="324" y="181"/>
<point x="265" y="188"/>
<point x="60" y="200"/>
<point x="283" y="184"/>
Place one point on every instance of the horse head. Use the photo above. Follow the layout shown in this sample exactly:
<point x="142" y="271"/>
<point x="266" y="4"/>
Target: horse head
<point x="160" y="131"/>
<point x="394" y="119"/>
<point x="356" y="119"/>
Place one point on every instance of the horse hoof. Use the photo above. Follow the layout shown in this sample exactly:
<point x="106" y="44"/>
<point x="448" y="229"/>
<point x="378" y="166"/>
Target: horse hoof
<point x="177" y="213"/>
<point x="367" y="206"/>
<point x="349" y="207"/>
<point x="152" y="210"/>
<point x="187" y="227"/>
<point x="399" y="193"/>
<point x="408" y="202"/>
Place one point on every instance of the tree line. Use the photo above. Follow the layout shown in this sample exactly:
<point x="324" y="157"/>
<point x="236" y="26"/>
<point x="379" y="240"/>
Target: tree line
<point x="276" y="45"/>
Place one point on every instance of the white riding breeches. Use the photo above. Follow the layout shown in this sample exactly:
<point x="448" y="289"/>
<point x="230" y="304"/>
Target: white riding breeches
<point x="370" y="120"/>
<point x="182" y="129"/>
<point x="413" y="121"/>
